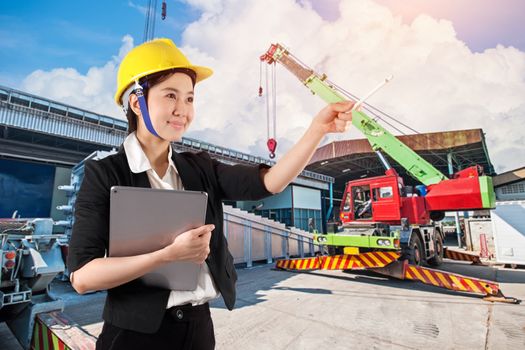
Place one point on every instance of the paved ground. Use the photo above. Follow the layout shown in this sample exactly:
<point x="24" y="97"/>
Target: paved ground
<point x="341" y="310"/>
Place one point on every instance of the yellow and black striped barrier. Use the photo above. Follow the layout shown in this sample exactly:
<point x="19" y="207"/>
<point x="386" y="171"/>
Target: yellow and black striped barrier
<point x="339" y="262"/>
<point x="448" y="280"/>
<point x="462" y="256"/>
<point x="451" y="281"/>
<point x="305" y="264"/>
<point x="388" y="264"/>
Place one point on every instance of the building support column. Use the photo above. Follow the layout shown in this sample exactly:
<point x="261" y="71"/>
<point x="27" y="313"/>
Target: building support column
<point x="456" y="216"/>
<point x="331" y="208"/>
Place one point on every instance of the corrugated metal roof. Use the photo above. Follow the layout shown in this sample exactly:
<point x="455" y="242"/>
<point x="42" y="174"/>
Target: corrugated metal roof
<point x="509" y="177"/>
<point x="421" y="142"/>
<point x="353" y="159"/>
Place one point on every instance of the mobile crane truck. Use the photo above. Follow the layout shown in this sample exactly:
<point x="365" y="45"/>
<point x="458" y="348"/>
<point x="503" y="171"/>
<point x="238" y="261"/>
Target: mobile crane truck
<point x="386" y="226"/>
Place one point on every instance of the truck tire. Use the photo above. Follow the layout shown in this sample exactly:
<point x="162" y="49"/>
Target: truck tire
<point x="437" y="215"/>
<point x="414" y="252"/>
<point x="438" y="248"/>
<point x="333" y="250"/>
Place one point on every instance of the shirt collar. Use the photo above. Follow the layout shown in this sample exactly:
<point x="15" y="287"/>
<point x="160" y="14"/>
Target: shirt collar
<point x="137" y="160"/>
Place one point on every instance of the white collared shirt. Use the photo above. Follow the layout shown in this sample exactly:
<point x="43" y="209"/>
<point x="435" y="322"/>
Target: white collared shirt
<point x="138" y="163"/>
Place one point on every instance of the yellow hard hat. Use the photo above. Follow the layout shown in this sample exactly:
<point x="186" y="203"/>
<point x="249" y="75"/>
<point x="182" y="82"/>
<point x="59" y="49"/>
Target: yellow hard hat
<point x="152" y="57"/>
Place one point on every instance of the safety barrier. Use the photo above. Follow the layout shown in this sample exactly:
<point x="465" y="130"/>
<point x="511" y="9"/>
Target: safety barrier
<point x="340" y="262"/>
<point x="388" y="264"/>
<point x="462" y="256"/>
<point x="56" y="331"/>
<point x="451" y="281"/>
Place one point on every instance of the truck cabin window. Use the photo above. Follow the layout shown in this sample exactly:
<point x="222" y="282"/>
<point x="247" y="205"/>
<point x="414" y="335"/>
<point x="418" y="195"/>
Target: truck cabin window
<point x="347" y="202"/>
<point x="362" y="202"/>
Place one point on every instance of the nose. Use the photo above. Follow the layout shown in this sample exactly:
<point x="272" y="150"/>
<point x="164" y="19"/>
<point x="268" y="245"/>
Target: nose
<point x="180" y="108"/>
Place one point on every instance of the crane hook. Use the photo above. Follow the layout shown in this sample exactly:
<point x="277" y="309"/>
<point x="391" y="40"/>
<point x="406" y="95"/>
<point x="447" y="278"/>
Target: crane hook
<point x="164" y="8"/>
<point x="272" y="145"/>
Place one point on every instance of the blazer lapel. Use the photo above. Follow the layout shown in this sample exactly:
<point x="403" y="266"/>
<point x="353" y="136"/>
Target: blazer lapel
<point x="140" y="179"/>
<point x="188" y="175"/>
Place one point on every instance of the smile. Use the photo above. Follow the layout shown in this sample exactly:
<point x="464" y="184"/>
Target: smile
<point x="177" y="126"/>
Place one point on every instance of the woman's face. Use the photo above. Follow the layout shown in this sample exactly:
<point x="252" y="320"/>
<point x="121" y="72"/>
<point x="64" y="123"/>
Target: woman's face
<point x="170" y="105"/>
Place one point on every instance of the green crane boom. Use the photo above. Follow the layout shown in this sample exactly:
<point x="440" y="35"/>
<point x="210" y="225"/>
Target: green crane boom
<point x="379" y="138"/>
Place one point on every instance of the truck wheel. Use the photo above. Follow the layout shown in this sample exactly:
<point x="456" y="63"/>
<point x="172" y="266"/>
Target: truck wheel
<point x="333" y="250"/>
<point x="438" y="247"/>
<point x="437" y="215"/>
<point x="414" y="252"/>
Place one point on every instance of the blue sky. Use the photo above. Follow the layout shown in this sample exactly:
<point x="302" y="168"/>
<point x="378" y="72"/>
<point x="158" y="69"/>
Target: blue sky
<point x="78" y="34"/>
<point x="81" y="34"/>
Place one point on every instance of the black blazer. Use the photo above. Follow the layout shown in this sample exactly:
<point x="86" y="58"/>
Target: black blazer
<point x="134" y="305"/>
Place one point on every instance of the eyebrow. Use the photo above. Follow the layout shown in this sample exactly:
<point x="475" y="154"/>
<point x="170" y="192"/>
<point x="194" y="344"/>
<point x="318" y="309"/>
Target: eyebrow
<point x="176" y="90"/>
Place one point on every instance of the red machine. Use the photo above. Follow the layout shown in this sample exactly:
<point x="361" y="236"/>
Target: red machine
<point x="386" y="199"/>
<point x="388" y="227"/>
<point x="381" y="212"/>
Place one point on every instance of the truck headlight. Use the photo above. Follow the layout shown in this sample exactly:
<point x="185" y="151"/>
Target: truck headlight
<point x="383" y="242"/>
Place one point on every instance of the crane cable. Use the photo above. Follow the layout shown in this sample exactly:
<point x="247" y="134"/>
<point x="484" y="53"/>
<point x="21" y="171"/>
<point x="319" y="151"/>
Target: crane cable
<point x="376" y="111"/>
<point x="151" y="17"/>
<point x="146" y="25"/>
<point x="370" y="109"/>
<point x="271" y="113"/>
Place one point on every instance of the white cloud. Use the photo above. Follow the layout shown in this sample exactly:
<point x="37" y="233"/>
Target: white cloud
<point x="92" y="91"/>
<point x="439" y="83"/>
<point x="208" y="7"/>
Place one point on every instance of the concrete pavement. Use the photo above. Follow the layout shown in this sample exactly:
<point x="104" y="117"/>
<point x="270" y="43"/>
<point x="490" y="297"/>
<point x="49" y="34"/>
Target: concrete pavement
<point x="342" y="310"/>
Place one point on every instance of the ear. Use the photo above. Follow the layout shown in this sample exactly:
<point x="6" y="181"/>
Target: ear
<point x="134" y="104"/>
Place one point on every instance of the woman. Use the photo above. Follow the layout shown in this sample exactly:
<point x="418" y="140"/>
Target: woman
<point x="156" y="89"/>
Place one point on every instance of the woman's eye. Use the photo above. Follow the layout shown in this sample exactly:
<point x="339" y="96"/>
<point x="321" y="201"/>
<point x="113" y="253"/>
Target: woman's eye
<point x="190" y="99"/>
<point x="171" y="96"/>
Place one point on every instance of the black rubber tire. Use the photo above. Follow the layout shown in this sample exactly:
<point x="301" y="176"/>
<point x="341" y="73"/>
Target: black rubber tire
<point x="414" y="252"/>
<point x="437" y="215"/>
<point x="333" y="250"/>
<point x="438" y="258"/>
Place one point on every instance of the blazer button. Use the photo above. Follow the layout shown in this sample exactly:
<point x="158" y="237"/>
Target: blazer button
<point x="179" y="314"/>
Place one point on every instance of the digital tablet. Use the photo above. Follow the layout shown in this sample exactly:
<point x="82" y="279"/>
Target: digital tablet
<point x="143" y="220"/>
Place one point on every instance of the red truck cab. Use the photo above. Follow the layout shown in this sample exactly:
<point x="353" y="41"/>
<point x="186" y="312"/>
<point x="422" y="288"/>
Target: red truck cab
<point x="383" y="199"/>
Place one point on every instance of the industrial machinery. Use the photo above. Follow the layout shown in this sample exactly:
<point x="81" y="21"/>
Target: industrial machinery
<point x="385" y="224"/>
<point x="31" y="258"/>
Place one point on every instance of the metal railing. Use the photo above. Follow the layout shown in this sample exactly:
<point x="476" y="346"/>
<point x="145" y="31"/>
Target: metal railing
<point x="31" y="112"/>
<point x="254" y="238"/>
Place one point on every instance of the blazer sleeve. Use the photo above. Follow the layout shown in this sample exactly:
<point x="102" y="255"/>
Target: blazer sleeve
<point x="90" y="234"/>
<point x="240" y="182"/>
